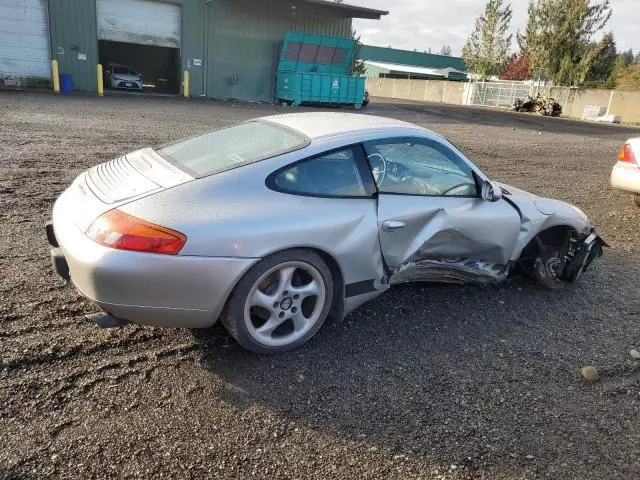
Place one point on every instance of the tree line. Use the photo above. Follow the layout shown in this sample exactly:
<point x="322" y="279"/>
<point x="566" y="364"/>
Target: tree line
<point x="556" y="45"/>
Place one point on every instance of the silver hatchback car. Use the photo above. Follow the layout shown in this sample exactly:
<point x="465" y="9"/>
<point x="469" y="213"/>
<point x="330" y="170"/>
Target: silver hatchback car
<point x="275" y="224"/>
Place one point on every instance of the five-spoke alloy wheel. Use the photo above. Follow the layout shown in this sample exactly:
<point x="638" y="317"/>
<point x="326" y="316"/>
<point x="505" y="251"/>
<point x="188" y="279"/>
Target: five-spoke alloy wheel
<point x="281" y="302"/>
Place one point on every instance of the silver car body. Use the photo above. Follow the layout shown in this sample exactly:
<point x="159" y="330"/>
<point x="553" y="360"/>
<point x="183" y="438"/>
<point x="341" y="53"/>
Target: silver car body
<point x="233" y="219"/>
<point x="625" y="176"/>
<point x="122" y="77"/>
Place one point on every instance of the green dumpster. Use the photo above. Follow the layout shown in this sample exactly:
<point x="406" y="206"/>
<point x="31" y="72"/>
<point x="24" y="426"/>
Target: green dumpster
<point x="313" y="69"/>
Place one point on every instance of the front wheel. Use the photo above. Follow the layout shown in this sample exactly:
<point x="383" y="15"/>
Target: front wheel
<point x="281" y="302"/>
<point x="637" y="200"/>
<point x="551" y="260"/>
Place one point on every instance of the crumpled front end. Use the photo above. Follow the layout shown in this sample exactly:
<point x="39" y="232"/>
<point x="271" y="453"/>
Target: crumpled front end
<point x="583" y="255"/>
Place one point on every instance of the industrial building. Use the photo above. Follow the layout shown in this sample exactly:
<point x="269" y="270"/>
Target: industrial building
<point x="394" y="63"/>
<point x="229" y="47"/>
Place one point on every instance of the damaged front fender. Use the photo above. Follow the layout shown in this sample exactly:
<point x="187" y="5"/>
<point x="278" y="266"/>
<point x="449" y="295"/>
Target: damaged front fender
<point x="588" y="250"/>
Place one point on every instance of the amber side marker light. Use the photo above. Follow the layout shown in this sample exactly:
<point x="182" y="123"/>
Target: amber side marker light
<point x="116" y="229"/>
<point x="626" y="154"/>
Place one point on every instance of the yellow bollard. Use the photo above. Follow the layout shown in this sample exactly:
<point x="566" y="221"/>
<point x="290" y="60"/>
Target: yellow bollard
<point x="100" y="81"/>
<point x="185" y="84"/>
<point x="56" y="76"/>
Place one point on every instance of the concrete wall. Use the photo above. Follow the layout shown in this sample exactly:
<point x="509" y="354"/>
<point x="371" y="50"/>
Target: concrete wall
<point x="421" y="90"/>
<point x="624" y="104"/>
<point x="627" y="105"/>
<point x="581" y="98"/>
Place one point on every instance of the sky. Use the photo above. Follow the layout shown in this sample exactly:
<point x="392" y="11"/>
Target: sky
<point x="421" y="24"/>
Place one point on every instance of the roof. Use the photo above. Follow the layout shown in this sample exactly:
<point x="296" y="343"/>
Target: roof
<point x="322" y="124"/>
<point x="406" y="57"/>
<point x="350" y="10"/>
<point x="392" y="67"/>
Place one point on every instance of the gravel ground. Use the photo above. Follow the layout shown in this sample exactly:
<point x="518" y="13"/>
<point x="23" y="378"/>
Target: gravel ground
<point x="426" y="382"/>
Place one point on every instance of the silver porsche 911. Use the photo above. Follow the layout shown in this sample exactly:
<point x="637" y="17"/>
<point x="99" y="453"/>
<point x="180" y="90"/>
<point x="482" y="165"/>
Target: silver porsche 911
<point x="275" y="224"/>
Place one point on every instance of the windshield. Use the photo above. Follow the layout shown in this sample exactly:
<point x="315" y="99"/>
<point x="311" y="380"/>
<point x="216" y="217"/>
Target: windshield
<point x="124" y="70"/>
<point x="232" y="147"/>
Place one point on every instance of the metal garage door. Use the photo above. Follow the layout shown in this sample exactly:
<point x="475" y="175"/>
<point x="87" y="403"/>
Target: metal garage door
<point x="139" y="21"/>
<point x="24" y="39"/>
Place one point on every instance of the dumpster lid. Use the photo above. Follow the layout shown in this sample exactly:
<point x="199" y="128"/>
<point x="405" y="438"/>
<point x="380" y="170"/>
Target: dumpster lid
<point x="311" y="53"/>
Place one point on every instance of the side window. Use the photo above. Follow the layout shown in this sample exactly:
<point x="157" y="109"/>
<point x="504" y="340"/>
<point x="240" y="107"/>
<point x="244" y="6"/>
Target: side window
<point x="414" y="166"/>
<point x="333" y="174"/>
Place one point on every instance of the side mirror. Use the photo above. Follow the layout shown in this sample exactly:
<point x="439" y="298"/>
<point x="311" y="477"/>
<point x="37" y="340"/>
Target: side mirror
<point x="491" y="192"/>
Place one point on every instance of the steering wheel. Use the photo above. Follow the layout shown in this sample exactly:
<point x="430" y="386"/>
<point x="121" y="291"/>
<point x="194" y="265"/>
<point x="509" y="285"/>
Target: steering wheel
<point x="378" y="167"/>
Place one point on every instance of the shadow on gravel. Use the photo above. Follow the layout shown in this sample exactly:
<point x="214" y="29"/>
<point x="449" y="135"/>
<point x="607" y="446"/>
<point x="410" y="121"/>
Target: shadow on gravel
<point x="483" y="373"/>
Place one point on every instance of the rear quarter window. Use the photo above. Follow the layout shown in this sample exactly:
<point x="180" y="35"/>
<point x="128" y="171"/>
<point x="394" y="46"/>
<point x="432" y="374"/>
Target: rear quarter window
<point x="331" y="174"/>
<point x="232" y="147"/>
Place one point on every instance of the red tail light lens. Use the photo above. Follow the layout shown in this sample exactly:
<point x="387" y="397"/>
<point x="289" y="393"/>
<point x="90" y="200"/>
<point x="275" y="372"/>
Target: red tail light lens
<point x="116" y="229"/>
<point x="626" y="154"/>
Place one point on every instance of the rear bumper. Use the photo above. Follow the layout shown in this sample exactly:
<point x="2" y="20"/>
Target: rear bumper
<point x="148" y="289"/>
<point x="626" y="177"/>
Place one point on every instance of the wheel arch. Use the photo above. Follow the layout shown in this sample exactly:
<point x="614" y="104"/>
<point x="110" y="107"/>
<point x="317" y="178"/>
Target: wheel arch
<point x="553" y="235"/>
<point x="337" y="302"/>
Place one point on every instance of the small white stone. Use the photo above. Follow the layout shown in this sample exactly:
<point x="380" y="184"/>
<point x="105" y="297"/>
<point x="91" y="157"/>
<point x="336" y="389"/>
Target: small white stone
<point x="590" y="373"/>
<point x="635" y="354"/>
<point x="529" y="457"/>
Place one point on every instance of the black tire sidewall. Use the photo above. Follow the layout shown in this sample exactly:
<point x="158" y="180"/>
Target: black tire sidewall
<point x="233" y="314"/>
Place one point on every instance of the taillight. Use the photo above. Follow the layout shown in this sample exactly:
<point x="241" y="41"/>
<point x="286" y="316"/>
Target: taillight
<point x="626" y="154"/>
<point x="116" y="229"/>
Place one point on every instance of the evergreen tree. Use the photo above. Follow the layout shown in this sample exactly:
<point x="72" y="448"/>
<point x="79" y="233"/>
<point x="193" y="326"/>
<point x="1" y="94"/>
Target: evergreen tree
<point x="486" y="50"/>
<point x="628" y="57"/>
<point x="602" y="70"/>
<point x="357" y="66"/>
<point x="558" y="36"/>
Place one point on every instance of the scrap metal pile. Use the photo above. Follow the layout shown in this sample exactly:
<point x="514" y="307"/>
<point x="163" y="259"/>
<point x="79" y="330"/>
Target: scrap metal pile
<point x="539" y="104"/>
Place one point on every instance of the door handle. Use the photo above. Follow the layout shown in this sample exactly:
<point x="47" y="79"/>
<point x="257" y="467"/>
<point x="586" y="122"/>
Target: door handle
<point x="393" y="225"/>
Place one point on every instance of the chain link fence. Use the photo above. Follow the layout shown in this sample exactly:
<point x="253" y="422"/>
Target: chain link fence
<point x="504" y="94"/>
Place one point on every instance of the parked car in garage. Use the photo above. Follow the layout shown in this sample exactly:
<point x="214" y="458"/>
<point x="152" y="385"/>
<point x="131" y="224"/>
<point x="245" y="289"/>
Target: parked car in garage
<point x="123" y="77"/>
<point x="315" y="215"/>
<point x="625" y="175"/>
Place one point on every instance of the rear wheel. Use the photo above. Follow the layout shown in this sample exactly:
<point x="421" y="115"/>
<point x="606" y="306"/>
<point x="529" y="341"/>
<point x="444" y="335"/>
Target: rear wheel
<point x="281" y="302"/>
<point x="637" y="200"/>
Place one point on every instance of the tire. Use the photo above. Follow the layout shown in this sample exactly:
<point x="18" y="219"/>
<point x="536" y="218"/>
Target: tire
<point x="280" y="303"/>
<point x="550" y="264"/>
<point x="636" y="199"/>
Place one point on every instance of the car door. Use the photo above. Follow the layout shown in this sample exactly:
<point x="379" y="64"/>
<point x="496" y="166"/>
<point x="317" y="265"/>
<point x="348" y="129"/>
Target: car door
<point x="433" y="224"/>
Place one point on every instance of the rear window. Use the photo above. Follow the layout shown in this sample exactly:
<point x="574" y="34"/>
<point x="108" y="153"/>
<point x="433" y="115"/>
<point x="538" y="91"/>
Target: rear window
<point x="232" y="147"/>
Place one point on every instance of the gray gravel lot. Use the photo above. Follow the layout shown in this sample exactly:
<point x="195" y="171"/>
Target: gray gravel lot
<point x="425" y="382"/>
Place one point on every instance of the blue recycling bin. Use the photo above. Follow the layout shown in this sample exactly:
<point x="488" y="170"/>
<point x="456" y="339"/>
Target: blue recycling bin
<point x="66" y="82"/>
